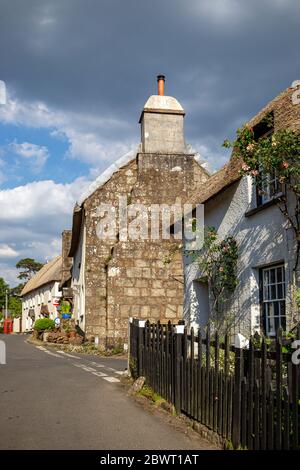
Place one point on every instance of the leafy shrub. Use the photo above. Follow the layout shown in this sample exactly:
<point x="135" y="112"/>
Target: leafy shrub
<point x="1" y="329"/>
<point x="298" y="298"/>
<point x="44" y="324"/>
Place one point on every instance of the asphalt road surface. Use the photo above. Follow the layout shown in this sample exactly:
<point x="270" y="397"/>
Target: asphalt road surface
<point x="54" y="400"/>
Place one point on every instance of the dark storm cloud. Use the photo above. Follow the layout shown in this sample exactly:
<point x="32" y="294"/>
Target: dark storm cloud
<point x="224" y="59"/>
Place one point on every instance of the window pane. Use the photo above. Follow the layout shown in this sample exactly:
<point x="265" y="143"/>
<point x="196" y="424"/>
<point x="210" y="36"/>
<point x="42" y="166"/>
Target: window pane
<point x="273" y="292"/>
<point x="273" y="298"/>
<point x="266" y="276"/>
<point x="279" y="274"/>
<point x="271" y="324"/>
<point x="270" y="185"/>
<point x="276" y="309"/>
<point x="283" y="322"/>
<point x="272" y="276"/>
<point x="265" y="293"/>
<point x="277" y="323"/>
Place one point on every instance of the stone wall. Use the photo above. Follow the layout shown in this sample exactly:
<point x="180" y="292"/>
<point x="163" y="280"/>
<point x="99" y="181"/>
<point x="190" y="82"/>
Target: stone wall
<point x="136" y="278"/>
<point x="66" y="260"/>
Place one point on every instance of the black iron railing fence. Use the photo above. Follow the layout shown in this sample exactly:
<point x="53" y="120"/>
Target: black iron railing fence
<point x="250" y="396"/>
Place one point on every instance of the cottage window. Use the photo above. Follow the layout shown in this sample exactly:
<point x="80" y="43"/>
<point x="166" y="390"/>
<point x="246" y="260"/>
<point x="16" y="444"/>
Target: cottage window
<point x="273" y="298"/>
<point x="268" y="186"/>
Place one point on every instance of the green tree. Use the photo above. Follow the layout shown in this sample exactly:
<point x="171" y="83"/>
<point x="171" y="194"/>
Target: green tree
<point x="29" y="268"/>
<point x="14" y="303"/>
<point x="218" y="265"/>
<point x="3" y="288"/>
<point x="16" y="291"/>
<point x="277" y="155"/>
<point x="15" y="306"/>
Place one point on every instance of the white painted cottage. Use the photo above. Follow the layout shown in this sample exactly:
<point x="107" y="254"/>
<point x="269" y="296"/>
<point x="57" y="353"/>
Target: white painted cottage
<point x="263" y="299"/>
<point x="40" y="294"/>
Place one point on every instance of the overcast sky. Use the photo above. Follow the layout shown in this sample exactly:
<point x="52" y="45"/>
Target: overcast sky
<point x="78" y="73"/>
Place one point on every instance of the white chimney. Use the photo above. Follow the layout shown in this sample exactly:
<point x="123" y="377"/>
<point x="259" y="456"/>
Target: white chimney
<point x="162" y="123"/>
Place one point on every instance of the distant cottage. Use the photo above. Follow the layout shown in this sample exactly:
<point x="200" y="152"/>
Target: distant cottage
<point x="113" y="279"/>
<point x="40" y="292"/>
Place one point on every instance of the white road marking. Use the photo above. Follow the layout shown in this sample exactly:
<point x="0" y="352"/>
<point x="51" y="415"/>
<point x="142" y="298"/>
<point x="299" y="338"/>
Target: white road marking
<point x="69" y="355"/>
<point x="52" y="354"/>
<point x="111" y="379"/>
<point x="86" y="368"/>
<point x="41" y="348"/>
<point x="89" y="369"/>
<point x="99" y="374"/>
<point x="119" y="372"/>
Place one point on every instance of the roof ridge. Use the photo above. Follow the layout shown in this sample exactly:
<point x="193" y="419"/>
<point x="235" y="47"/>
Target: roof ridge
<point x="50" y="272"/>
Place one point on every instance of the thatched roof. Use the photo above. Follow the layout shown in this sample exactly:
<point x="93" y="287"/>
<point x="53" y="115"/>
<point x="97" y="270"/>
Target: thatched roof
<point x="286" y="115"/>
<point x="227" y="175"/>
<point x="50" y="272"/>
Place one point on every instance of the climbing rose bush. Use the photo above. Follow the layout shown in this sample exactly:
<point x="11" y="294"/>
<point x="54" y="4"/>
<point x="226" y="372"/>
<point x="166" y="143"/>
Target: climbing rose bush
<point x="277" y="155"/>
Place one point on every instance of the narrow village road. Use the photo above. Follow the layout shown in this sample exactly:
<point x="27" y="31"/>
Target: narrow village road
<point x="51" y="400"/>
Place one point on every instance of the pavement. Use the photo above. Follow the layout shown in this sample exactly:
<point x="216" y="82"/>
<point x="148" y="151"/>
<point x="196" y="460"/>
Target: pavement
<point x="57" y="400"/>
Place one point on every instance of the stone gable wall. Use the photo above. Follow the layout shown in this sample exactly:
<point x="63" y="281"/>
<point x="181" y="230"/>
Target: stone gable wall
<point x="136" y="278"/>
<point x="66" y="260"/>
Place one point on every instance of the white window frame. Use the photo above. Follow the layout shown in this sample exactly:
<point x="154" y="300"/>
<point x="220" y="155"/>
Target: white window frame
<point x="270" y="187"/>
<point x="273" y="298"/>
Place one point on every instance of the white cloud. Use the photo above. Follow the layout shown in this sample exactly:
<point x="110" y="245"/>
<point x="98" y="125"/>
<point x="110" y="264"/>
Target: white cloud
<point x="229" y="13"/>
<point x="88" y="147"/>
<point x="31" y="151"/>
<point x="41" y="200"/>
<point x="7" y="251"/>
<point x="87" y="135"/>
<point x="220" y="11"/>
<point x="9" y="274"/>
<point x="46" y="249"/>
<point x="34" y="214"/>
<point x="214" y="156"/>
<point x="2" y="164"/>
<point x="32" y="218"/>
<point x="2" y="93"/>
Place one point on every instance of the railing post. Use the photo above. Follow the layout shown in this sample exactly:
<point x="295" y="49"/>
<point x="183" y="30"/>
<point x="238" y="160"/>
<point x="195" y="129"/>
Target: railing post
<point x="179" y="330"/>
<point x="130" y="320"/>
<point x="238" y="375"/>
<point x="140" y="347"/>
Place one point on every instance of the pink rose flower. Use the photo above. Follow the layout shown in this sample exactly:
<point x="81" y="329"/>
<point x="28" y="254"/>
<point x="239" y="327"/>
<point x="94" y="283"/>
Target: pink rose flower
<point x="245" y="167"/>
